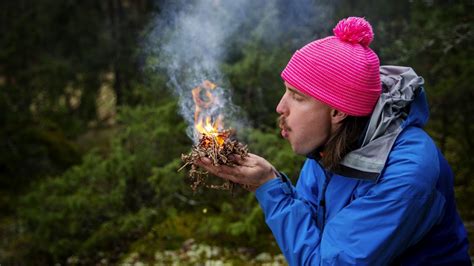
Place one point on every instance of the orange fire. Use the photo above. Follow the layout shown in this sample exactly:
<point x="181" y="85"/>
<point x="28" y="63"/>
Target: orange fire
<point x="203" y="121"/>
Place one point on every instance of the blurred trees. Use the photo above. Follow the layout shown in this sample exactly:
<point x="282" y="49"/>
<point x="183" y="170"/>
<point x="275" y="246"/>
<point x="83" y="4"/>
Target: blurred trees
<point x="54" y="58"/>
<point x="63" y="201"/>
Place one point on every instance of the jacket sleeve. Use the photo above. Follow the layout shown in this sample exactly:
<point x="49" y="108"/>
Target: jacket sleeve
<point x="373" y="229"/>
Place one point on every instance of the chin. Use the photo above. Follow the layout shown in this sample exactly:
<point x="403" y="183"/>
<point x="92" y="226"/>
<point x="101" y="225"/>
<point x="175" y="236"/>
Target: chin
<point x="303" y="150"/>
<point x="299" y="150"/>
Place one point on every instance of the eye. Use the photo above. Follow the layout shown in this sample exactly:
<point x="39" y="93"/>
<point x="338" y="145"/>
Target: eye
<point x="296" y="96"/>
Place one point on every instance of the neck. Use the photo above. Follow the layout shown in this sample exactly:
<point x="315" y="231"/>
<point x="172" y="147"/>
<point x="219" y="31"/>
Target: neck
<point x="316" y="154"/>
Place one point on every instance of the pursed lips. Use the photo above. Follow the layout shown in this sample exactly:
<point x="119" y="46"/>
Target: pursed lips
<point x="283" y="126"/>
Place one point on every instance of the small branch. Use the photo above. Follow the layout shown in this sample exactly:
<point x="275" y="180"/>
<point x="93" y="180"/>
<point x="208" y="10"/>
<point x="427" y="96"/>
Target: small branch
<point x="182" y="167"/>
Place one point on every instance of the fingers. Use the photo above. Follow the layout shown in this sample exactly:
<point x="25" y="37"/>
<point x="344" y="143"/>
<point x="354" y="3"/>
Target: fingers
<point x="253" y="161"/>
<point x="205" y="160"/>
<point x="223" y="171"/>
<point x="248" y="160"/>
<point x="237" y="159"/>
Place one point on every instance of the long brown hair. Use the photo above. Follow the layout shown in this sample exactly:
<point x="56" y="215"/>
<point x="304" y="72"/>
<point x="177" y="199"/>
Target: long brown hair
<point x="345" y="139"/>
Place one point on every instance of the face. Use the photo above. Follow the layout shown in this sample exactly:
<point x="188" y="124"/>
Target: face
<point x="304" y="121"/>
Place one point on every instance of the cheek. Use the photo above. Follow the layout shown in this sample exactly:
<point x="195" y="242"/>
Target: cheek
<point x="312" y="130"/>
<point x="308" y="118"/>
<point x="315" y="132"/>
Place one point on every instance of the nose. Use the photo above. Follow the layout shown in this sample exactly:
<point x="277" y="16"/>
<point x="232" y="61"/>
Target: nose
<point x="282" y="105"/>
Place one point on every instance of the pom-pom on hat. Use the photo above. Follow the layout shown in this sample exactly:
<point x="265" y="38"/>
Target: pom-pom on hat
<point x="341" y="70"/>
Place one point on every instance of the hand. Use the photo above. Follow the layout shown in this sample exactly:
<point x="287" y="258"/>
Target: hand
<point x="251" y="171"/>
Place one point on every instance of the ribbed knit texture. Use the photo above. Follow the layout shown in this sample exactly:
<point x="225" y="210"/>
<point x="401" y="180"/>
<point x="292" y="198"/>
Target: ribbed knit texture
<point x="341" y="71"/>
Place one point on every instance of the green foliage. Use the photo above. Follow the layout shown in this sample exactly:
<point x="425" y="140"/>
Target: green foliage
<point x="96" y="208"/>
<point x="36" y="148"/>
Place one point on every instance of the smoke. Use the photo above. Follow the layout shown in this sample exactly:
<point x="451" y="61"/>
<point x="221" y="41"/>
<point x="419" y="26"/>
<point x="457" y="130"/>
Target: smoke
<point x="190" y="40"/>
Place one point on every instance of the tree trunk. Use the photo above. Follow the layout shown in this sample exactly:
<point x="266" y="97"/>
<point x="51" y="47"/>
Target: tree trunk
<point x="116" y="18"/>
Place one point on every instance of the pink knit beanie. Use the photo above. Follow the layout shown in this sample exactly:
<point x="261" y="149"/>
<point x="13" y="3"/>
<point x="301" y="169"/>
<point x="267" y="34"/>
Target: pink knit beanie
<point x="341" y="70"/>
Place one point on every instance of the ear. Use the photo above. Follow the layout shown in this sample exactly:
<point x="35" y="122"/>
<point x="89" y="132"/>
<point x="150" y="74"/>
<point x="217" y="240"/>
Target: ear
<point x="337" y="116"/>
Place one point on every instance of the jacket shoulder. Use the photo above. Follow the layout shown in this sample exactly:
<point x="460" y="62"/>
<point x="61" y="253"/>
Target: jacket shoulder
<point x="413" y="163"/>
<point x="417" y="145"/>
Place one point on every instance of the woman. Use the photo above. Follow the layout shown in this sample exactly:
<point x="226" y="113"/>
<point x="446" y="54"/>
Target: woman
<point x="375" y="190"/>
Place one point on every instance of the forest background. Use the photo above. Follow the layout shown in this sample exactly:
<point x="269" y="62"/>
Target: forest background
<point x="92" y="133"/>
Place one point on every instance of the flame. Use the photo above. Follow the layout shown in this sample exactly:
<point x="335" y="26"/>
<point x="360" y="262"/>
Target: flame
<point x="203" y="121"/>
<point x="211" y="129"/>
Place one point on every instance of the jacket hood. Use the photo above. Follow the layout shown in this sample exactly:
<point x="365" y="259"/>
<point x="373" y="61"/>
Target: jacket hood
<point x="402" y="103"/>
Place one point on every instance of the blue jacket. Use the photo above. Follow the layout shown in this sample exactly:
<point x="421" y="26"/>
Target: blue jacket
<point x="403" y="213"/>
